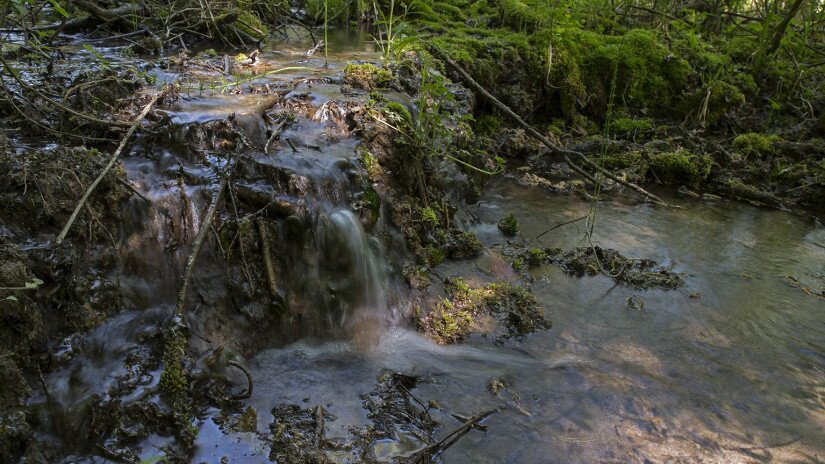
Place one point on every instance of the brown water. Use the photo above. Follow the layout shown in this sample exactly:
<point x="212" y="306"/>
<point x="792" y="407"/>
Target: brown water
<point x="730" y="368"/>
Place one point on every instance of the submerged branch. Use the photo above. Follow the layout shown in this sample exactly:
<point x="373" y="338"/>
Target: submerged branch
<point x="196" y="248"/>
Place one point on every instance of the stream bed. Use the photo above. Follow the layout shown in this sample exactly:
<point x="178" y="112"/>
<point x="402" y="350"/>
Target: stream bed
<point x="733" y="373"/>
<point x="728" y="368"/>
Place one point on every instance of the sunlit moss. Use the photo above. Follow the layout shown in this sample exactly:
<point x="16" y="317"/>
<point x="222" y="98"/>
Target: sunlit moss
<point x="367" y="76"/>
<point x="680" y="167"/>
<point x="754" y="143"/>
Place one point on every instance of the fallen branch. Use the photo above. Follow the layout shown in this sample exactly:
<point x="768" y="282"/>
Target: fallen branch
<point x="112" y="161"/>
<point x="554" y="149"/>
<point x="196" y="247"/>
<point x="426" y="454"/>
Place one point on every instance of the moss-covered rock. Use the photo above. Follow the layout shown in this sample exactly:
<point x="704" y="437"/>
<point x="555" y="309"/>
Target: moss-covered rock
<point x="250" y="24"/>
<point x="508" y="225"/>
<point x="470" y="308"/>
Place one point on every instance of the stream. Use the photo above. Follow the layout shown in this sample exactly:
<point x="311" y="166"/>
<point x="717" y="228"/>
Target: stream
<point x="728" y="368"/>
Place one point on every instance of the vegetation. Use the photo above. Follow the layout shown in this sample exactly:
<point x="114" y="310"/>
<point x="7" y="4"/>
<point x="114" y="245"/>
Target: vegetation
<point x="313" y="188"/>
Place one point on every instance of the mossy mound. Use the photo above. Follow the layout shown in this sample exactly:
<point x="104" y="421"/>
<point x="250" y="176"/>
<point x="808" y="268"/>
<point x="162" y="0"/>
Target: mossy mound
<point x="175" y="385"/>
<point x="469" y="308"/>
<point x="367" y="76"/>
<point x="636" y="273"/>
<point x="508" y="225"/>
<point x="680" y="167"/>
<point x="756" y="144"/>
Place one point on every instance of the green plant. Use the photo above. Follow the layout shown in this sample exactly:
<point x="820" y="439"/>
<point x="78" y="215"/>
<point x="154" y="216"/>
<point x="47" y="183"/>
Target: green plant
<point x="680" y="167"/>
<point x="754" y="143"/>
<point x="508" y="225"/>
<point x="429" y="216"/>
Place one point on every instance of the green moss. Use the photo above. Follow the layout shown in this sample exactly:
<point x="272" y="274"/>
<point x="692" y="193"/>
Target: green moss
<point x="398" y="114"/>
<point x="464" y="245"/>
<point x="627" y="126"/>
<point x="621" y="160"/>
<point x="680" y="167"/>
<point x="536" y="257"/>
<point x="754" y="143"/>
<point x="557" y="126"/>
<point x="249" y="23"/>
<point x="710" y="104"/>
<point x="367" y="76"/>
<point x="455" y="317"/>
<point x="508" y="225"/>
<point x="488" y="124"/>
<point x="432" y="255"/>
<point x="429" y="216"/>
<point x="174" y="385"/>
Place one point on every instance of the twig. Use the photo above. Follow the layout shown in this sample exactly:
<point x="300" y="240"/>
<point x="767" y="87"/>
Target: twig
<point x="196" y="247"/>
<point x="265" y="249"/>
<point x="556" y="150"/>
<point x="275" y="134"/>
<point x="450" y="439"/>
<point x="581" y="171"/>
<point x="291" y="145"/>
<point x="562" y="224"/>
<point x="108" y="167"/>
<point x="133" y="190"/>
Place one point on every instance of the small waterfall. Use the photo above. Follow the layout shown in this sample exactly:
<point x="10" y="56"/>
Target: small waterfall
<point x="352" y="268"/>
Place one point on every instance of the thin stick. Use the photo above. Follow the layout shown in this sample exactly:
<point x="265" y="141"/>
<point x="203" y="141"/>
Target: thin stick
<point x="291" y="145"/>
<point x="319" y="425"/>
<point x="556" y="150"/>
<point x="133" y="190"/>
<point x="108" y="167"/>
<point x="450" y="438"/>
<point x="562" y="224"/>
<point x="265" y="249"/>
<point x="196" y="248"/>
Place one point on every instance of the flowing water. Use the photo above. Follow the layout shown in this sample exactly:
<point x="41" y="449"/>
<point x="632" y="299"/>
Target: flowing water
<point x="733" y="373"/>
<point x="730" y="368"/>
